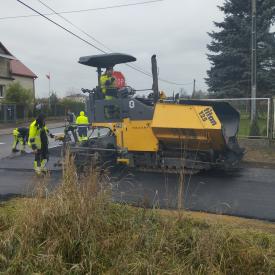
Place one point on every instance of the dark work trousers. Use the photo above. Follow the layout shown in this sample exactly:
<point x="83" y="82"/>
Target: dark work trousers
<point x="41" y="154"/>
<point x="82" y="130"/>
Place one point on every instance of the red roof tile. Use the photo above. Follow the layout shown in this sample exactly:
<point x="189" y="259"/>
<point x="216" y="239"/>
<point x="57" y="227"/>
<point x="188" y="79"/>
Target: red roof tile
<point x="18" y="68"/>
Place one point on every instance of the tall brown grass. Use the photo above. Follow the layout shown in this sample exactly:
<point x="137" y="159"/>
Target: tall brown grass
<point x="77" y="229"/>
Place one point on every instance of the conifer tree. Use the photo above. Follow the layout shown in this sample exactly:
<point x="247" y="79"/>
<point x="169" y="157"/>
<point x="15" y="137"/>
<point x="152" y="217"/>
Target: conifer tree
<point x="230" y="57"/>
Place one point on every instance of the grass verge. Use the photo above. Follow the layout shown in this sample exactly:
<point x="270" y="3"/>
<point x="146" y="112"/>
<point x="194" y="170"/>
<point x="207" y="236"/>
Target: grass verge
<point x="77" y="229"/>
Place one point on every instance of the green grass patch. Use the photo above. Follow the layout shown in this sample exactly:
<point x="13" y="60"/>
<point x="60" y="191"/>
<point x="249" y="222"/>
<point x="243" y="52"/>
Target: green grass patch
<point x="245" y="125"/>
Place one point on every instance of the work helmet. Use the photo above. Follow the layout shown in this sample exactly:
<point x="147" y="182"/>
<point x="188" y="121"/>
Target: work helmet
<point x="82" y="113"/>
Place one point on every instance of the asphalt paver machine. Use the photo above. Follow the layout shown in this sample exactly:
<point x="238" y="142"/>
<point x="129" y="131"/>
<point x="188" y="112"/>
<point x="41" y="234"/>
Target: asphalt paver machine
<point x="154" y="134"/>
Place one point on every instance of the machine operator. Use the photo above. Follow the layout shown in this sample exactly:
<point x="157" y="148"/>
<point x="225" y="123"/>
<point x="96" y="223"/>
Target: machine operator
<point x="108" y="83"/>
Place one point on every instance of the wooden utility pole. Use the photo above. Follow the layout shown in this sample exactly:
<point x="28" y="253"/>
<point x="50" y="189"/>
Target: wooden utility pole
<point x="254" y="61"/>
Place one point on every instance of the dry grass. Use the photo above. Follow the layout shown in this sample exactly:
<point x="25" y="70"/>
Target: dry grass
<point x="78" y="230"/>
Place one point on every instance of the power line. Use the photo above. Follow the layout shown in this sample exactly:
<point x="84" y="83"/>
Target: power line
<point x="92" y="37"/>
<point x="96" y="40"/>
<point x="84" y="10"/>
<point x="72" y="24"/>
<point x="65" y="29"/>
<point x="84" y="40"/>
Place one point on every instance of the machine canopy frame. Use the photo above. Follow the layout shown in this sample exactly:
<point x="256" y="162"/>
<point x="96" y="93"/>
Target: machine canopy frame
<point x="106" y="60"/>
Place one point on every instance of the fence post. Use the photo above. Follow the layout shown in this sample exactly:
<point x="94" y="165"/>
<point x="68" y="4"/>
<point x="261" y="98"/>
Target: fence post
<point x="271" y="120"/>
<point x="15" y="113"/>
<point x="5" y="113"/>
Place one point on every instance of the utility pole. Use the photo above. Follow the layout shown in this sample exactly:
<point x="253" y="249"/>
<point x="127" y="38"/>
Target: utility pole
<point x="194" y="88"/>
<point x="254" y="62"/>
<point x="49" y="94"/>
<point x="49" y="78"/>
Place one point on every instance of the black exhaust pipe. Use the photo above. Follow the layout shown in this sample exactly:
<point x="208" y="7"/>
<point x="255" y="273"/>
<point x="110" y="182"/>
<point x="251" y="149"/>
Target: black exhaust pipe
<point x="155" y="78"/>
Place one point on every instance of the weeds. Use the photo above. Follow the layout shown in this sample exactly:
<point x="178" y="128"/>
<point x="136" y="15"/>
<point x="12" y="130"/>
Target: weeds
<point x="78" y="230"/>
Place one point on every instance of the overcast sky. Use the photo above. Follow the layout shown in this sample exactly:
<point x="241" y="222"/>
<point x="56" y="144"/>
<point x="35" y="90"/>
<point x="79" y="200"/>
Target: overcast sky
<point x="174" y="30"/>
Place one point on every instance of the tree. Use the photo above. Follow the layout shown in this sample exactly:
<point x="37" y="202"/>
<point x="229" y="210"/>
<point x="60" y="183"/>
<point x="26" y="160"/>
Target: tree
<point x="53" y="102"/>
<point x="183" y="93"/>
<point x="16" y="93"/>
<point x="230" y="74"/>
<point x="74" y="106"/>
<point x="200" y="95"/>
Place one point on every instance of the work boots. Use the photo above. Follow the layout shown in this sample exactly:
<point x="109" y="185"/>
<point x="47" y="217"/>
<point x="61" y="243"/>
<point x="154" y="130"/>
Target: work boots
<point x="37" y="169"/>
<point x="44" y="169"/>
<point x="23" y="150"/>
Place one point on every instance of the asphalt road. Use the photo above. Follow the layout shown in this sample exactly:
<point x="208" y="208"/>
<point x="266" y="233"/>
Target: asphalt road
<point x="7" y="140"/>
<point x="249" y="192"/>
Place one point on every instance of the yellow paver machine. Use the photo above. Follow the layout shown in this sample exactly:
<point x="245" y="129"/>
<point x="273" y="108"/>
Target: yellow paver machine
<point x="153" y="134"/>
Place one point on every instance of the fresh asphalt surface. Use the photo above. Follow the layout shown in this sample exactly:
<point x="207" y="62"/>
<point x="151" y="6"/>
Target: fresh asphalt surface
<point x="249" y="192"/>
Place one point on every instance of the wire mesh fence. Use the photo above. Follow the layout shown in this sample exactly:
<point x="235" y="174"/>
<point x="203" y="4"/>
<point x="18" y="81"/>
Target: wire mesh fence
<point x="273" y="115"/>
<point x="258" y="129"/>
<point x="11" y="112"/>
<point x="8" y="112"/>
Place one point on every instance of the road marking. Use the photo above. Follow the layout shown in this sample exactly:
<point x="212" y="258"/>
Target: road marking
<point x="2" y="143"/>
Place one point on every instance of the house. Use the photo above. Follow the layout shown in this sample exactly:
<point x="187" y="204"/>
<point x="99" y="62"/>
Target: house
<point x="11" y="70"/>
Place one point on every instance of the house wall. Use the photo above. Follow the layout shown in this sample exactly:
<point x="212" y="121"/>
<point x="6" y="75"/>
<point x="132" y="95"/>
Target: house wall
<point x="4" y="83"/>
<point x="4" y="67"/>
<point x="6" y="78"/>
<point x="26" y="82"/>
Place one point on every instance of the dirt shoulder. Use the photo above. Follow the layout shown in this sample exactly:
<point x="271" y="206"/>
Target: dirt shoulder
<point x="260" y="152"/>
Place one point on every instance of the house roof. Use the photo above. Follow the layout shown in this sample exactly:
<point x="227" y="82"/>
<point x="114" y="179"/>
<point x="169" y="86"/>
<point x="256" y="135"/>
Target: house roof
<point x="5" y="52"/>
<point x="16" y="66"/>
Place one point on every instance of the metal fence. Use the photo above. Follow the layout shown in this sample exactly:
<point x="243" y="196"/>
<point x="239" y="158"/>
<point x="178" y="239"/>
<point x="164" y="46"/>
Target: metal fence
<point x="273" y="116"/>
<point x="263" y="116"/>
<point x="11" y="112"/>
<point x="8" y="113"/>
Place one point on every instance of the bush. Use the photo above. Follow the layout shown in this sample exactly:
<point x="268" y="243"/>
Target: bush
<point x="75" y="106"/>
<point x="59" y="107"/>
<point x="24" y="98"/>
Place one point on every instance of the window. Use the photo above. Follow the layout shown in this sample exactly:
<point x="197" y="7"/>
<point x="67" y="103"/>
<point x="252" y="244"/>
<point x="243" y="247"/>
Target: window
<point x="2" y="91"/>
